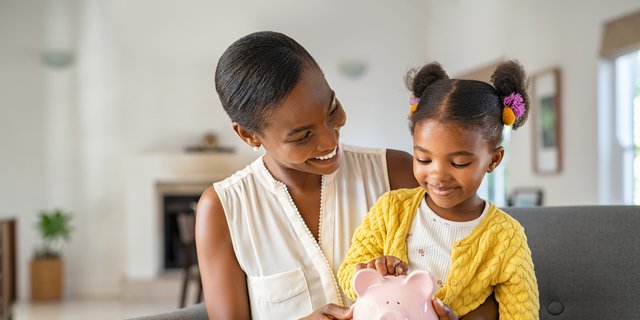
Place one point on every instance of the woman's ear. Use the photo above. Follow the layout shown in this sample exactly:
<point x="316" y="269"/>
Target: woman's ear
<point x="496" y="158"/>
<point x="249" y="137"/>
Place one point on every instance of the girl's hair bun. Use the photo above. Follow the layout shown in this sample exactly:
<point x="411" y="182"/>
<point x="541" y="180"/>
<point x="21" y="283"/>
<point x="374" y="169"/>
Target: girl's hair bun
<point x="418" y="80"/>
<point x="510" y="77"/>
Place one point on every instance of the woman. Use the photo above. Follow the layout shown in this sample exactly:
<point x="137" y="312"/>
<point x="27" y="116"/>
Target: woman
<point x="271" y="237"/>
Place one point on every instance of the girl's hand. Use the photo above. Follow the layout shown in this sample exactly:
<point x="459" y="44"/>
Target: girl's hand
<point x="330" y="311"/>
<point x="385" y="265"/>
<point x="443" y="310"/>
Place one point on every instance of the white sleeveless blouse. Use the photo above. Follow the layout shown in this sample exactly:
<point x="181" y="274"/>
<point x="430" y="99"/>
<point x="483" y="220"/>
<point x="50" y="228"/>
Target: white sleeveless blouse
<point x="289" y="274"/>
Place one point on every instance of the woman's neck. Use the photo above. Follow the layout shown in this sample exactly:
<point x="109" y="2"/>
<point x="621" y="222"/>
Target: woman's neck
<point x="295" y="180"/>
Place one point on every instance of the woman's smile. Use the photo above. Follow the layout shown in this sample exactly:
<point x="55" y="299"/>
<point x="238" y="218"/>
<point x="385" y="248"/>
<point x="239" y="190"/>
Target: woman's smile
<point x="330" y="158"/>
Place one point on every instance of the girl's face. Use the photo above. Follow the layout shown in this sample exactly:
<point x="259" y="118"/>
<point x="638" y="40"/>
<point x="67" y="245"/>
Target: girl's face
<point x="303" y="131"/>
<point x="450" y="162"/>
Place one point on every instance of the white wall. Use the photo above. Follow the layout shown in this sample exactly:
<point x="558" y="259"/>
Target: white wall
<point x="142" y="83"/>
<point x="541" y="34"/>
<point x="22" y="120"/>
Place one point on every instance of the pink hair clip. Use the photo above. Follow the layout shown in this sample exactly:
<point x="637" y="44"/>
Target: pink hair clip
<point x="513" y="108"/>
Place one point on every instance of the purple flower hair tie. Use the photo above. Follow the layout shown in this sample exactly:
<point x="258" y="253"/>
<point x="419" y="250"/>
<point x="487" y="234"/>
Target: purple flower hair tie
<point x="414" y="100"/>
<point x="515" y="102"/>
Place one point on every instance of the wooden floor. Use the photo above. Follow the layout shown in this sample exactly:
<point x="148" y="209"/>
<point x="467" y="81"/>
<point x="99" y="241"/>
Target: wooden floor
<point x="89" y="309"/>
<point x="139" y="299"/>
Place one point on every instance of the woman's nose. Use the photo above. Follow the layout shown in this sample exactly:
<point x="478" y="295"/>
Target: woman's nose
<point x="329" y="137"/>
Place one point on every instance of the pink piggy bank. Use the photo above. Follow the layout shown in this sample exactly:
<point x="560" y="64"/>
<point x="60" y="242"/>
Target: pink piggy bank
<point x="394" y="297"/>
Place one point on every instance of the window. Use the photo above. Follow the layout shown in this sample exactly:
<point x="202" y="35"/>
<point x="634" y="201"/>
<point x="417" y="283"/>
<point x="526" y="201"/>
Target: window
<point x="627" y="105"/>
<point x="494" y="185"/>
<point x="619" y="130"/>
<point x="619" y="112"/>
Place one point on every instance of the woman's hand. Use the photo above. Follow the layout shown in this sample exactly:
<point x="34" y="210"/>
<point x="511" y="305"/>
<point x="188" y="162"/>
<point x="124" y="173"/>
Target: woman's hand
<point x="330" y="311"/>
<point x="385" y="265"/>
<point x="443" y="310"/>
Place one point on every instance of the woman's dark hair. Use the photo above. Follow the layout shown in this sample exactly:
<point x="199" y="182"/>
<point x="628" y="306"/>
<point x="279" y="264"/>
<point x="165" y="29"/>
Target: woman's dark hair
<point x="471" y="104"/>
<point x="258" y="72"/>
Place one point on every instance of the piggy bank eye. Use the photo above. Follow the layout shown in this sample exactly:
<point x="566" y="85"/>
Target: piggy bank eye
<point x="398" y="302"/>
<point x="387" y="302"/>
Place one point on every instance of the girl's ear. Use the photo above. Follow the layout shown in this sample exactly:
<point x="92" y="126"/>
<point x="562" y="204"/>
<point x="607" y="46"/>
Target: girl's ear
<point x="249" y="137"/>
<point x="496" y="158"/>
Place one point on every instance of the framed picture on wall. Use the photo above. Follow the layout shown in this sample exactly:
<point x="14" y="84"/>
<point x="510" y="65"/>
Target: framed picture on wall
<point x="547" y="151"/>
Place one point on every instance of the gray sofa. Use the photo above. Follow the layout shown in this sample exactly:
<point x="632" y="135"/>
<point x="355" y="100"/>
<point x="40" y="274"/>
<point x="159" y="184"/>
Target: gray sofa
<point x="587" y="261"/>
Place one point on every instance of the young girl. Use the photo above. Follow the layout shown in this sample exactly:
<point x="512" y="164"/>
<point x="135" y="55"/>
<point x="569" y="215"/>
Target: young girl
<point x="471" y="247"/>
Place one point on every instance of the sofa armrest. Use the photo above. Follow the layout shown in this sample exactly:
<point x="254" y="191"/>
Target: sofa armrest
<point x="586" y="259"/>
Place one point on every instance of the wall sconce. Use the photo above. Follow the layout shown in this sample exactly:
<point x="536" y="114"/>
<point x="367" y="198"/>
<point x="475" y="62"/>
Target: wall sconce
<point x="352" y="69"/>
<point x="58" y="60"/>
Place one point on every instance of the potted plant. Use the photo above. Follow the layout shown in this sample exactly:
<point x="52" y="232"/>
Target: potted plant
<point x="46" y="267"/>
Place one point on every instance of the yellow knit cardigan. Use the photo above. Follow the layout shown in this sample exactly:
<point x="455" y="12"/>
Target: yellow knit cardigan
<point x="493" y="257"/>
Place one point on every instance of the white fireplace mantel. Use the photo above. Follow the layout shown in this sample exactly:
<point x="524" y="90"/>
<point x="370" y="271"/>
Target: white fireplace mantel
<point x="144" y="173"/>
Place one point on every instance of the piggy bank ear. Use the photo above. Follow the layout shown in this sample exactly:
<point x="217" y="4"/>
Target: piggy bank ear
<point x="365" y="279"/>
<point x="424" y="280"/>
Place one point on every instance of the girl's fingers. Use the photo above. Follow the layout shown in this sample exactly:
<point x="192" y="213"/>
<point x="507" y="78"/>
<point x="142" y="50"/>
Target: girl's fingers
<point x="391" y="263"/>
<point x="381" y="265"/>
<point x="402" y="268"/>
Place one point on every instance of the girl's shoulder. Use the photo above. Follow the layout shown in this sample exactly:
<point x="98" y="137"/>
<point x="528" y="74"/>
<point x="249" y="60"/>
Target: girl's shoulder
<point x="499" y="221"/>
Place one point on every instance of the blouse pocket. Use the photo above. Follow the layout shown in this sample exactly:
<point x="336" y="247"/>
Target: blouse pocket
<point x="281" y="296"/>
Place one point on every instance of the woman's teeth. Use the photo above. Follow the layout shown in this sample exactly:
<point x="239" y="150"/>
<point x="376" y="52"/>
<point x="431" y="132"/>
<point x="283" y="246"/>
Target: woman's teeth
<point x="330" y="155"/>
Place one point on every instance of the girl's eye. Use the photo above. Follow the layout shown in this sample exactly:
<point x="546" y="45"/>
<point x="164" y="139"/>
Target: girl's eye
<point x="460" y="165"/>
<point x="424" y="161"/>
<point x="303" y="138"/>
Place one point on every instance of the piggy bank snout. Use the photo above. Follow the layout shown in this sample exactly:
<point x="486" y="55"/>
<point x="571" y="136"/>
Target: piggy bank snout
<point x="392" y="315"/>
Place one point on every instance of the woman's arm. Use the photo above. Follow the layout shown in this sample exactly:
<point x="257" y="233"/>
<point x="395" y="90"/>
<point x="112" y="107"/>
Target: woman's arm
<point x="486" y="311"/>
<point x="400" y="168"/>
<point x="223" y="281"/>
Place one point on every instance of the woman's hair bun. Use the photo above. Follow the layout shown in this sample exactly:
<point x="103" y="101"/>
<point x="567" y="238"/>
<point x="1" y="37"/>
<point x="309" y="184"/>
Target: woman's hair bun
<point x="510" y="77"/>
<point x="418" y="80"/>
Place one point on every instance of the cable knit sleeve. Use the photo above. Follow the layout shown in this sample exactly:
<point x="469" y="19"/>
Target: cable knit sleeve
<point x="517" y="290"/>
<point x="367" y="243"/>
<point x="382" y="233"/>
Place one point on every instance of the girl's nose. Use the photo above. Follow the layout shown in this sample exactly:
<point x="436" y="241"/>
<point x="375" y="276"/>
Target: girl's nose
<point x="437" y="172"/>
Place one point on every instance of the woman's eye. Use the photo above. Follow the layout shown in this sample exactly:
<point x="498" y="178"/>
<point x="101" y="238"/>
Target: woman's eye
<point x="460" y="165"/>
<point x="303" y="138"/>
<point x="333" y="111"/>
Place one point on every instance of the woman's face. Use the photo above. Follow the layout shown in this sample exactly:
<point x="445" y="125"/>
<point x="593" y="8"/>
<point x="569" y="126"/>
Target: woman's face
<point x="303" y="132"/>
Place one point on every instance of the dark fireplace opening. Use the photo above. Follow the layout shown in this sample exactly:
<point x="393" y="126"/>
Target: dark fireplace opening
<point x="174" y="249"/>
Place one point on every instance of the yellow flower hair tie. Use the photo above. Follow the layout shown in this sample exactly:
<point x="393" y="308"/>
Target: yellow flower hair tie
<point x="508" y="117"/>
<point x="414" y="104"/>
<point x="413" y="108"/>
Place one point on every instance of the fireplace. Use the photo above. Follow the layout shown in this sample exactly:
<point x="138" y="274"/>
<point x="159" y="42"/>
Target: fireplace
<point x="175" y="198"/>
<point x="151" y="177"/>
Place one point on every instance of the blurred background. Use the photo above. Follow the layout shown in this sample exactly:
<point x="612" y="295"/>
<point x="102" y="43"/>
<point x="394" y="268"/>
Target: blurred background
<point x="104" y="106"/>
